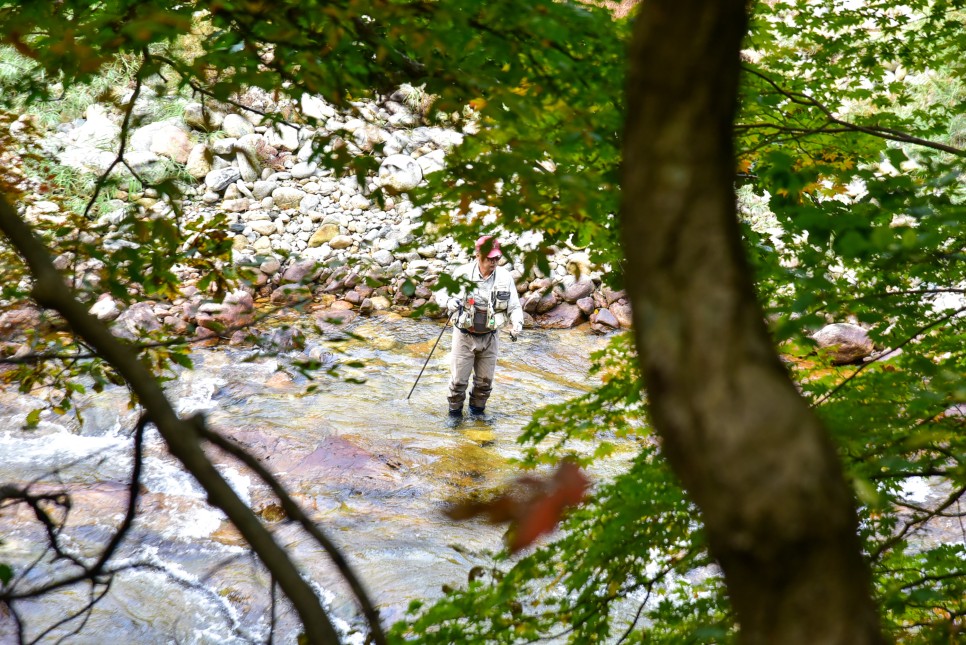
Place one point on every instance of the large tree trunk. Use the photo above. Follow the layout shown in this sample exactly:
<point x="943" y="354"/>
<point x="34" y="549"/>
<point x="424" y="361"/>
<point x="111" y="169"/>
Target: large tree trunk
<point x="779" y="515"/>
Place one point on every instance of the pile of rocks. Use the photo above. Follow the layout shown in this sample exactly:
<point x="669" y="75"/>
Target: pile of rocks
<point x="307" y="235"/>
<point x="305" y="232"/>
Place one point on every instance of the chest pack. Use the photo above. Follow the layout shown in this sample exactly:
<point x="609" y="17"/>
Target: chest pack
<point x="484" y="314"/>
<point x="480" y="316"/>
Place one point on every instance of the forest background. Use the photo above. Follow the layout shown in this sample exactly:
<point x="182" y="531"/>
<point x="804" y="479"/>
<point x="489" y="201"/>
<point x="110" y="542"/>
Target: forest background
<point x="840" y="126"/>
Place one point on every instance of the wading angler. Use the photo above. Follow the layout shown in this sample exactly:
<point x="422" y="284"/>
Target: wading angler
<point x="480" y="311"/>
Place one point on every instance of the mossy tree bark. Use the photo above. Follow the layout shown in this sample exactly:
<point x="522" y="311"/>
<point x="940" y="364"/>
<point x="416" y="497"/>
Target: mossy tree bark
<point x="778" y="512"/>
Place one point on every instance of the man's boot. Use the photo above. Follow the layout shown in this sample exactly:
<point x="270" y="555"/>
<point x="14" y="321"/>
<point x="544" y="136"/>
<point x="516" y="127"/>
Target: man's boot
<point x="454" y="418"/>
<point x="478" y="413"/>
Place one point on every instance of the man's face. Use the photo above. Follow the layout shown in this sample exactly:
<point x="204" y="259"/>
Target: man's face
<point x="487" y="264"/>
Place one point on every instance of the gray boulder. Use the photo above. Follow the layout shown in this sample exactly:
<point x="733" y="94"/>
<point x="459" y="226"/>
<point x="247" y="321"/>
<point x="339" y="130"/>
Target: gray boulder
<point x="844" y="342"/>
<point x="400" y="173"/>
<point x="563" y="316"/>
<point x="165" y="138"/>
<point x="219" y="180"/>
<point x="236" y="125"/>
<point x="201" y="118"/>
<point x="97" y="131"/>
<point x="578" y="290"/>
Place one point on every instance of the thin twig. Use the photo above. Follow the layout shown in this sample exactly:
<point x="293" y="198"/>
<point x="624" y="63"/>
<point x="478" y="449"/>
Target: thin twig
<point x="295" y="512"/>
<point x="919" y="332"/>
<point x="890" y="134"/>
<point x="914" y="522"/>
<point x="86" y="611"/>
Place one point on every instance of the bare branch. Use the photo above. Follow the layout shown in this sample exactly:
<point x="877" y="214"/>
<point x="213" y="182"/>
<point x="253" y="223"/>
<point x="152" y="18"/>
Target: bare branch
<point x="890" y="134"/>
<point x="295" y="512"/>
<point x="914" y="522"/>
<point x="181" y="436"/>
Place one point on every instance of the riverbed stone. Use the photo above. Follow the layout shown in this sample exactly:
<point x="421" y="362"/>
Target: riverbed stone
<point x="200" y="117"/>
<point x="380" y="303"/>
<point x="303" y="170"/>
<point x="622" y="312"/>
<point x="400" y="173"/>
<point x="224" y="147"/>
<point x="339" y="462"/>
<point x="844" y="343"/>
<point x="544" y="301"/>
<point x="219" y="180"/>
<point x="586" y="305"/>
<point x="198" y="163"/>
<point x="334" y="320"/>
<point x="612" y="296"/>
<point x="239" y="205"/>
<point x="165" y="138"/>
<point x="563" y="316"/>
<point x="136" y="321"/>
<point x="105" y="308"/>
<point x="263" y="189"/>
<point x="263" y="226"/>
<point x="282" y="339"/>
<point x="236" y="126"/>
<point x="315" y="107"/>
<point x="283" y="137"/>
<point x="248" y="168"/>
<point x="604" y="318"/>
<point x="300" y="271"/>
<point x="578" y="290"/>
<point x="98" y="130"/>
<point x="290" y="294"/>
<point x="341" y="242"/>
<point x="326" y="233"/>
<point x="383" y="257"/>
<point x="270" y="266"/>
<point x="286" y="197"/>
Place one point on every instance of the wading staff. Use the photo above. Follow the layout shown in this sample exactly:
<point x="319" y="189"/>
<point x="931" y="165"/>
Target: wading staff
<point x="445" y="325"/>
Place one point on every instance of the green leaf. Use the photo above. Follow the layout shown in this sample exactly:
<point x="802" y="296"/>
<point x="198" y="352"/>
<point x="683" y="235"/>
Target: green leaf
<point x="33" y="418"/>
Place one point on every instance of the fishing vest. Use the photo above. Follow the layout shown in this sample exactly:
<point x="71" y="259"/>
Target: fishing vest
<point x="484" y="310"/>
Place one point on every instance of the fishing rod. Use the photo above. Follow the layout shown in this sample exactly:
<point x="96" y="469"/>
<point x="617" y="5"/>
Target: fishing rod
<point x="445" y="325"/>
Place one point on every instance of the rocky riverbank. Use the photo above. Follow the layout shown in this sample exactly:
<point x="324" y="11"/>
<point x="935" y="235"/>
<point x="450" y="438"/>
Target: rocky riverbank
<point x="308" y="235"/>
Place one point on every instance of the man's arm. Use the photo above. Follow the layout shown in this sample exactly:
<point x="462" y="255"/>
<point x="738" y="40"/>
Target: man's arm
<point x="445" y="299"/>
<point x="514" y="310"/>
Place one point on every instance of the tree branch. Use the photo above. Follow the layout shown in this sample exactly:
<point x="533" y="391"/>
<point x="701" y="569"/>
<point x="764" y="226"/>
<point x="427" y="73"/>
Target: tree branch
<point x="915" y="521"/>
<point x="890" y="134"/>
<point x="180" y="435"/>
<point x="919" y="332"/>
<point x="295" y="512"/>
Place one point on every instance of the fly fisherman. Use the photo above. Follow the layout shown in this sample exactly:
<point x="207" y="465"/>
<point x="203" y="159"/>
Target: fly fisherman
<point x="480" y="311"/>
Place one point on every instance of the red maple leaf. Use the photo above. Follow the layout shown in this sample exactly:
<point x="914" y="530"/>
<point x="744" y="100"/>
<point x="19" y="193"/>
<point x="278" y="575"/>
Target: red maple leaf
<point x="533" y="506"/>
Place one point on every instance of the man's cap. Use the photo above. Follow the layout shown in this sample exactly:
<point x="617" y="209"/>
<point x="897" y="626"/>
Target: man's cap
<point x="494" y="246"/>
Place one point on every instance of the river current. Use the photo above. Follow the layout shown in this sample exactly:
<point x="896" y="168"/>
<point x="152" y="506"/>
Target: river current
<point x="374" y="468"/>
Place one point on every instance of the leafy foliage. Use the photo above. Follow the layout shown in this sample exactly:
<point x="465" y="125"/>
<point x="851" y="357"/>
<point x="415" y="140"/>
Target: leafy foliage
<point x="862" y="185"/>
<point x="849" y="140"/>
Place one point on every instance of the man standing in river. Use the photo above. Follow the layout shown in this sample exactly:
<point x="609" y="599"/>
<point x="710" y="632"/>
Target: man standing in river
<point x="480" y="311"/>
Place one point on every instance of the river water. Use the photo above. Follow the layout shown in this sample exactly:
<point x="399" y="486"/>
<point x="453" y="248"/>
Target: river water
<point x="374" y="469"/>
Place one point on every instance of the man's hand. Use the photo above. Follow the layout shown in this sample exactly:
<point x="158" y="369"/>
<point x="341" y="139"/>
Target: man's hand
<point x="453" y="304"/>
<point x="515" y="331"/>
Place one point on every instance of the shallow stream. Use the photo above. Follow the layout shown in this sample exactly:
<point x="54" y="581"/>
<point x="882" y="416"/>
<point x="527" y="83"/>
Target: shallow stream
<point x="375" y="469"/>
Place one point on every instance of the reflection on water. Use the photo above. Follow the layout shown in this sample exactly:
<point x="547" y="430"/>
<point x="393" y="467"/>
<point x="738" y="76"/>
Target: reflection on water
<point x="374" y="468"/>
